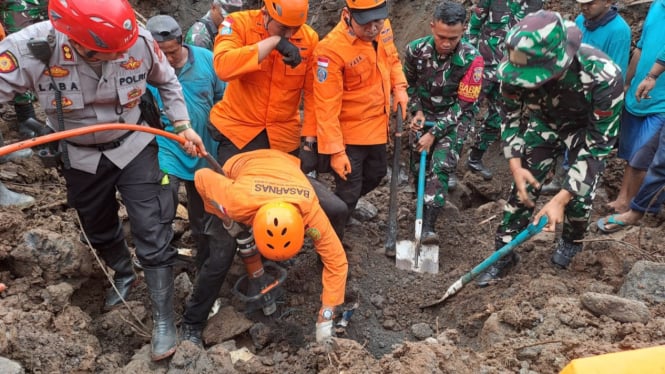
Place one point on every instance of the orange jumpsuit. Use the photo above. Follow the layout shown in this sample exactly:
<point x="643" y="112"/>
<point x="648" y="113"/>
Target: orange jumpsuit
<point x="258" y="177"/>
<point x="352" y="86"/>
<point x="262" y="95"/>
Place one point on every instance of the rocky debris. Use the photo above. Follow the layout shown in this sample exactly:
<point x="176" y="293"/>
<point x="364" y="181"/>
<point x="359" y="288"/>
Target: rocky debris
<point x="421" y="331"/>
<point x="644" y="282"/>
<point x="365" y="211"/>
<point x="261" y="335"/>
<point x="224" y="325"/>
<point x="617" y="308"/>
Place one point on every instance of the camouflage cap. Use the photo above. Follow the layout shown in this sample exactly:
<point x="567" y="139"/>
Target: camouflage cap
<point x="540" y="47"/>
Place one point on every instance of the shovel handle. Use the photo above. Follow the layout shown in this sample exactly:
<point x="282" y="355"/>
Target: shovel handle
<point x="391" y="239"/>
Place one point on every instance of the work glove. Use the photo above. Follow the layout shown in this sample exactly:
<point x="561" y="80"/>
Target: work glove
<point x="234" y="229"/>
<point x="290" y="52"/>
<point x="324" y="331"/>
<point x="309" y="158"/>
<point x="401" y="98"/>
<point x="340" y="164"/>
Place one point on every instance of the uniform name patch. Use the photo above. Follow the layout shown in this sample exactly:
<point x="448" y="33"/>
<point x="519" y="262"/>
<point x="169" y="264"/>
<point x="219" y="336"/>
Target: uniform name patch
<point x="8" y="62"/>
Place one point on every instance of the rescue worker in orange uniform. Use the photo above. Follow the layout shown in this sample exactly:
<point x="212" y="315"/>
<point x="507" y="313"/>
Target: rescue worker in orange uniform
<point x="357" y="68"/>
<point x="264" y="56"/>
<point x="266" y="190"/>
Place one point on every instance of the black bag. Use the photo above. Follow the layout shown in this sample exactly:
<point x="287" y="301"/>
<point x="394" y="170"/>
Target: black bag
<point x="150" y="112"/>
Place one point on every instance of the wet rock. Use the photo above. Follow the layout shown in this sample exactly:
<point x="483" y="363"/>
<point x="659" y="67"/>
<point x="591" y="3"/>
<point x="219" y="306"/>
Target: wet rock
<point x="377" y="300"/>
<point x="224" y="325"/>
<point x="529" y="353"/>
<point x="8" y="366"/>
<point x="617" y="308"/>
<point x="390" y="324"/>
<point x="365" y="211"/>
<point x="421" y="331"/>
<point x="57" y="296"/>
<point x="644" y="282"/>
<point x="221" y="358"/>
<point x="190" y="358"/>
<point x="51" y="255"/>
<point x="261" y="335"/>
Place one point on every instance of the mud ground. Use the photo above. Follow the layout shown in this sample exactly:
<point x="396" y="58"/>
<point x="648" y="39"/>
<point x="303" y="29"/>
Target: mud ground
<point x="532" y="321"/>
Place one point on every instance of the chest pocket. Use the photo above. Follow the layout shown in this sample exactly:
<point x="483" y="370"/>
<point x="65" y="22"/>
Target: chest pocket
<point x="70" y="100"/>
<point x="452" y="81"/>
<point x="499" y="12"/>
<point x="294" y="78"/>
<point x="357" y="73"/>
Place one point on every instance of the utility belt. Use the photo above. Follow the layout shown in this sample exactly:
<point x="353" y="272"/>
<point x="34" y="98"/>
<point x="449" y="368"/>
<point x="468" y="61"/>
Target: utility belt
<point x="115" y="143"/>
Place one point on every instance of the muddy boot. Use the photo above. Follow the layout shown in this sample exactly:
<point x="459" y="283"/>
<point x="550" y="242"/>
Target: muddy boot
<point x="164" y="334"/>
<point x="9" y="198"/>
<point x="564" y="252"/>
<point x="497" y="270"/>
<point x="119" y="259"/>
<point x="430" y="215"/>
<point x="475" y="164"/>
<point x="193" y="334"/>
<point x="23" y="153"/>
<point x="24" y="112"/>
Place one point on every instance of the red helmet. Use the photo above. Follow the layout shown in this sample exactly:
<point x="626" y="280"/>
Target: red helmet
<point x="290" y="13"/>
<point x="106" y="26"/>
<point x="278" y="230"/>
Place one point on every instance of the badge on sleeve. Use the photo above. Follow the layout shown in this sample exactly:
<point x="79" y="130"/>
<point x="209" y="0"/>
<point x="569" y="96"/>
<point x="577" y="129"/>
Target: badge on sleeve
<point x="226" y="27"/>
<point x="322" y="69"/>
<point x="8" y="62"/>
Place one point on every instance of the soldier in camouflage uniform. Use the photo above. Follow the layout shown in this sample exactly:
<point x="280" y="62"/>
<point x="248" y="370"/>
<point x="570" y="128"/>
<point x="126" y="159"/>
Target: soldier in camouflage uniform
<point x="575" y="95"/>
<point x="16" y="15"/>
<point x="489" y="23"/>
<point x="444" y="76"/>
<point x="203" y="32"/>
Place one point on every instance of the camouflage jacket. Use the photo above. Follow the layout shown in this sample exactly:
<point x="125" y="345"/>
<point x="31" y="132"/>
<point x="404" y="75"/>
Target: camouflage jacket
<point x="202" y="33"/>
<point x="17" y="14"/>
<point x="444" y="88"/>
<point x="586" y="100"/>
<point x="489" y="23"/>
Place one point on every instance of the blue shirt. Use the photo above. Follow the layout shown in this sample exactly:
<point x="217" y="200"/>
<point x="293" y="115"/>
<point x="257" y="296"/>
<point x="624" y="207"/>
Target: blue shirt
<point x="651" y="43"/>
<point x="612" y="38"/>
<point x="202" y="89"/>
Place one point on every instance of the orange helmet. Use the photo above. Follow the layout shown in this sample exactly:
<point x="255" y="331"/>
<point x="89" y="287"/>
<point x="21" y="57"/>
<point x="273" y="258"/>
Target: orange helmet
<point x="290" y="13"/>
<point x="278" y="230"/>
<point x="365" y="11"/>
<point x="99" y="25"/>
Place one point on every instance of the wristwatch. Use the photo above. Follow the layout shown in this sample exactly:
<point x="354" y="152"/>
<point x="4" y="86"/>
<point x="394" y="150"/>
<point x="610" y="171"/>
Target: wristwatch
<point x="327" y="314"/>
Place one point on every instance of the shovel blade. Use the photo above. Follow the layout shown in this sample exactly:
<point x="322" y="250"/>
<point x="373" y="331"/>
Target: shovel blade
<point x="428" y="259"/>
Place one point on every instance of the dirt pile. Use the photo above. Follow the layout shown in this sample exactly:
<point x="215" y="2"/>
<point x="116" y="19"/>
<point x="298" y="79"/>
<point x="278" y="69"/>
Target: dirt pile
<point x="533" y="321"/>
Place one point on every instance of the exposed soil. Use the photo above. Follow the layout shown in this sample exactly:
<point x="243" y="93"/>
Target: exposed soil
<point x="532" y="321"/>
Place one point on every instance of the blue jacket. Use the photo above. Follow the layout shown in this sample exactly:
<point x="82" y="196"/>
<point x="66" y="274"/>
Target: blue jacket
<point x="202" y="89"/>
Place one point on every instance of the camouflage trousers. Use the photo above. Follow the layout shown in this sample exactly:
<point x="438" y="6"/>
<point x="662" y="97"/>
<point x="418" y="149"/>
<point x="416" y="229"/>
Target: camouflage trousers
<point x="543" y="146"/>
<point x="490" y="127"/>
<point x="16" y="15"/>
<point x="441" y="162"/>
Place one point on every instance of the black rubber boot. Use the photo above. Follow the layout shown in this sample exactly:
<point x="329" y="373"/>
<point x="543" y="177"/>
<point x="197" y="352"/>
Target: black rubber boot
<point x="24" y="111"/>
<point x="119" y="259"/>
<point x="430" y="215"/>
<point x="164" y="333"/>
<point x="564" y="252"/>
<point x="193" y="334"/>
<point x="497" y="270"/>
<point x="475" y="164"/>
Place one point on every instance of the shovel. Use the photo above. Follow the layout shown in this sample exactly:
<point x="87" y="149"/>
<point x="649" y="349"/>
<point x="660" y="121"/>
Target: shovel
<point x="415" y="255"/>
<point x="530" y="231"/>
<point x="394" y="179"/>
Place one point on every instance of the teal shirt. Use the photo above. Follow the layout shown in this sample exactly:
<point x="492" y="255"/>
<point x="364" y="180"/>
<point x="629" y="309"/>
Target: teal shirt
<point x="202" y="89"/>
<point x="612" y="38"/>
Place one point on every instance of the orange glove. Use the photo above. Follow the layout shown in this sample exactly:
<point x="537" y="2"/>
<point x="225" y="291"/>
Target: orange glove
<point x="401" y="98"/>
<point x="341" y="164"/>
